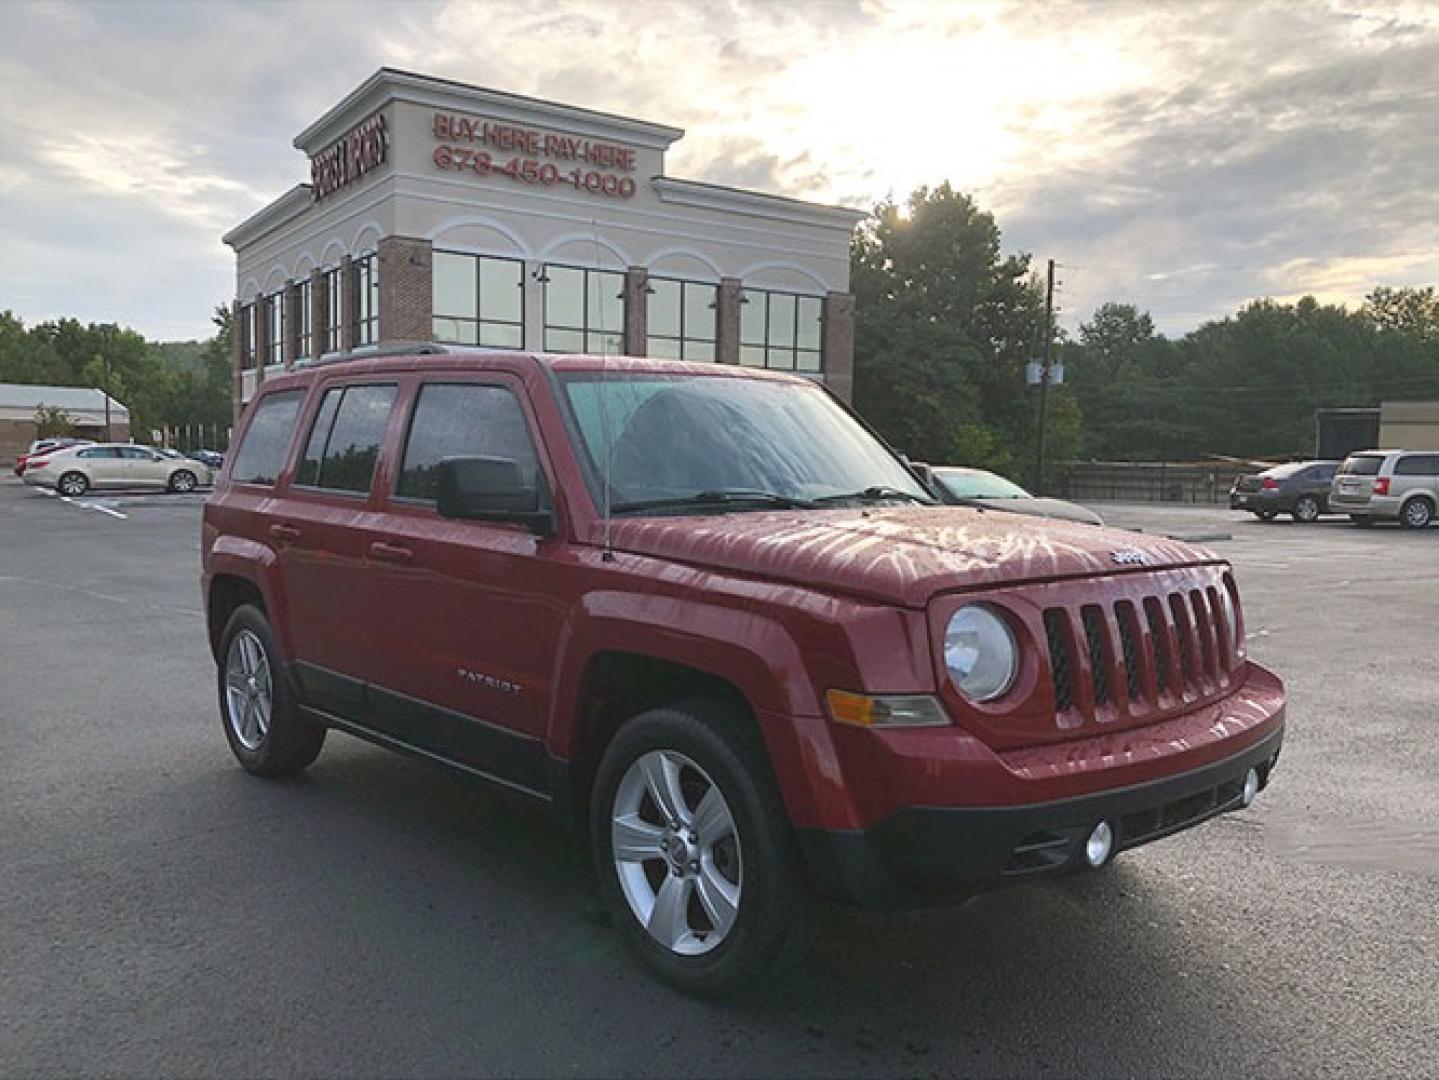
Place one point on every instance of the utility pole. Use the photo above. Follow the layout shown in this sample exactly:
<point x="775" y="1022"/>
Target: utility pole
<point x="105" y="360"/>
<point x="1044" y="377"/>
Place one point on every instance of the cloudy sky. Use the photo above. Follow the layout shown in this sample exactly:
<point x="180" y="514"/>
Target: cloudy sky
<point x="1186" y="156"/>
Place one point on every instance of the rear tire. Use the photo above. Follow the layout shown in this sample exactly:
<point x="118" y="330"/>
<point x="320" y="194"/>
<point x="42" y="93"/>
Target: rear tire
<point x="258" y="708"/>
<point x="73" y="484"/>
<point x="742" y="899"/>
<point x="182" y="481"/>
<point x="1417" y="513"/>
<point x="1306" y="510"/>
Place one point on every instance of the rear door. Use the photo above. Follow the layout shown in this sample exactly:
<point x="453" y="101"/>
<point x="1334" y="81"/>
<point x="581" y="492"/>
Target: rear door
<point x="320" y="532"/>
<point x="1415" y="472"/>
<point x="466" y="613"/>
<point x="105" y="466"/>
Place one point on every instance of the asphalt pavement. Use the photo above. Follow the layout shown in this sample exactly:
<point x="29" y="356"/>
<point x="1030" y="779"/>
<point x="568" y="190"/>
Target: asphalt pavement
<point x="164" y="914"/>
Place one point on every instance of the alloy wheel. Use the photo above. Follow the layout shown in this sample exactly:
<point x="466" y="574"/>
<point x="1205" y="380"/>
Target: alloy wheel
<point x="1417" y="514"/>
<point x="183" y="482"/>
<point x="249" y="698"/>
<point x="72" y="484"/>
<point x="676" y="851"/>
<point x="1307" y="509"/>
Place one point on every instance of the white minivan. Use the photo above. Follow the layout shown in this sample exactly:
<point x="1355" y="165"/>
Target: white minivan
<point x="1387" y="485"/>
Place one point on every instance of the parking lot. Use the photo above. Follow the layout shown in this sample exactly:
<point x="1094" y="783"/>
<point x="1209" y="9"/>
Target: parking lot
<point x="163" y="913"/>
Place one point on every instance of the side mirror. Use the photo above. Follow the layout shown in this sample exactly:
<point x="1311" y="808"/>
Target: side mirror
<point x="490" y="489"/>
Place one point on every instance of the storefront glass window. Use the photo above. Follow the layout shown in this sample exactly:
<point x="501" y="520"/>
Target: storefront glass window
<point x="584" y="311"/>
<point x="331" y="344"/>
<point x="247" y="336"/>
<point x="682" y="319"/>
<point x="479" y="300"/>
<point x="304" y="312"/>
<point x="275" y="310"/>
<point x="780" y="330"/>
<point x="367" y="308"/>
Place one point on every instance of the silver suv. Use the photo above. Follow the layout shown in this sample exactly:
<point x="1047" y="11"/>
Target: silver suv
<point x="1387" y="485"/>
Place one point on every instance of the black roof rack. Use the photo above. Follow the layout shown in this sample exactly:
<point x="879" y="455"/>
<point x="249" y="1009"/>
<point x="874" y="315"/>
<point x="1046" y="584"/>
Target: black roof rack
<point x="368" y="352"/>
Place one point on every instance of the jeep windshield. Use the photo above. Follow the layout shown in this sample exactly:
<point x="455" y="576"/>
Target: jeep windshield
<point x="708" y="444"/>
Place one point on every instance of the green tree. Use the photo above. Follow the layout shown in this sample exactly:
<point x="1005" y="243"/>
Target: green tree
<point x="943" y="326"/>
<point x="51" y="421"/>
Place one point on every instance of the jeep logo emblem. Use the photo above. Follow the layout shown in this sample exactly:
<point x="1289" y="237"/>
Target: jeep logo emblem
<point x="1128" y="557"/>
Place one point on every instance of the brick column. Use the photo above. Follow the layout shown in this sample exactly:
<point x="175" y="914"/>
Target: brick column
<point x="349" y="303"/>
<point x="727" y="321"/>
<point x="237" y="360"/>
<point x="317" y="313"/>
<point x="292" y="324"/>
<point x="407" y="295"/>
<point x="837" y="344"/>
<point x="637" y="311"/>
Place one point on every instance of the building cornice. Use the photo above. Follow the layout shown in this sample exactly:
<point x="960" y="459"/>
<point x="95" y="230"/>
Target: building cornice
<point x="287" y="207"/>
<point x="390" y="84"/>
<point x="754" y="203"/>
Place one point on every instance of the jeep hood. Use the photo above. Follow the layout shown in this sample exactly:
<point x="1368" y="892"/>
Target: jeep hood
<point x="898" y="555"/>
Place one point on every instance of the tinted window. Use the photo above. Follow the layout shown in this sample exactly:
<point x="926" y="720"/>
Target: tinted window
<point x="1417" y="465"/>
<point x="267" y="438"/>
<point x="1362" y="465"/>
<point x="100" y="452"/>
<point x="462" y="421"/>
<point x="1323" y="473"/>
<point x="136" y="453"/>
<point x="349" y="427"/>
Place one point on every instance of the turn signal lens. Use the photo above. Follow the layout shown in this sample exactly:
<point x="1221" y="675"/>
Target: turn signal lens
<point x="907" y="710"/>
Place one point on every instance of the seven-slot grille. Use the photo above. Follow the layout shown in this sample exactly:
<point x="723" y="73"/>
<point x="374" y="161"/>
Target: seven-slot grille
<point x="1139" y="655"/>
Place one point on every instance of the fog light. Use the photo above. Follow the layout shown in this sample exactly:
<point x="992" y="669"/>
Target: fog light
<point x="1251" y="787"/>
<point x="1099" y="845"/>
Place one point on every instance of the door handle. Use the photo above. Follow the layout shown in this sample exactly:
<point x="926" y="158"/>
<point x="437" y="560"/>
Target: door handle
<point x="390" y="553"/>
<point x="285" y="533"/>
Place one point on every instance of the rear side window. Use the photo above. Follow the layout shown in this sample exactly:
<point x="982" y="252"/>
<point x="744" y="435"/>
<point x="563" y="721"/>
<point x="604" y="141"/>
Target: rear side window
<point x="100" y="452"/>
<point x="345" y="440"/>
<point x="1417" y="465"/>
<point x="262" y="453"/>
<point x="458" y="420"/>
<point x="1323" y="472"/>
<point x="1362" y="465"/>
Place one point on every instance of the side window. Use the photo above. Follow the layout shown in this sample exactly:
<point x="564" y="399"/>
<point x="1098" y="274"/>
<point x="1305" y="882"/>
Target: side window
<point x="1324" y="474"/>
<point x="101" y="452"/>
<point x="135" y="453"/>
<point x="1417" y="465"/>
<point x="459" y="420"/>
<point x="345" y="440"/>
<point x="262" y="452"/>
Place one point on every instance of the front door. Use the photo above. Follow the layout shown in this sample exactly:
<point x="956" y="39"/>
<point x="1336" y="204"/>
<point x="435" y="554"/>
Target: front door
<point x="469" y="613"/>
<point x="144" y="467"/>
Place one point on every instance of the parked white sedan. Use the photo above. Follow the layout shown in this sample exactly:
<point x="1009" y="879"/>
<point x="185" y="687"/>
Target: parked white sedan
<point x="76" y="469"/>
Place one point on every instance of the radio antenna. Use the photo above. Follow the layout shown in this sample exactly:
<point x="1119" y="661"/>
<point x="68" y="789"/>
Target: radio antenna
<point x="607" y="552"/>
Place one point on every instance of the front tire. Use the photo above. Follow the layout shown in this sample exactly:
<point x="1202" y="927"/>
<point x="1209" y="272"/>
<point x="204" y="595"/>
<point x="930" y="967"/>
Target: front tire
<point x="1306" y="510"/>
<point x="73" y="484"/>
<point x="693" y="850"/>
<point x="182" y="481"/>
<point x="258" y="709"/>
<point x="1417" y="513"/>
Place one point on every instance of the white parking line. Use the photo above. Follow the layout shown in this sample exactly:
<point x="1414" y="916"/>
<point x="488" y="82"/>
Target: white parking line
<point x="83" y="505"/>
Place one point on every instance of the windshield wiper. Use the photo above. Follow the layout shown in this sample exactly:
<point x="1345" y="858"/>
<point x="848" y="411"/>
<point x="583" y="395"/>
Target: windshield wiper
<point x="726" y="498"/>
<point x="877" y="493"/>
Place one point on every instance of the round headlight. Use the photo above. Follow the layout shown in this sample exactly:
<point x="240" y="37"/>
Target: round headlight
<point x="980" y="653"/>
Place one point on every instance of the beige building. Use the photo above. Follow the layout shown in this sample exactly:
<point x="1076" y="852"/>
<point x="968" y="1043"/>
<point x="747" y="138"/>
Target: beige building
<point x="85" y="407"/>
<point x="438" y="211"/>
<point x="1409" y="425"/>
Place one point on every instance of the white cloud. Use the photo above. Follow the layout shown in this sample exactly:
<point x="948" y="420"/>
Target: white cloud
<point x="1182" y="157"/>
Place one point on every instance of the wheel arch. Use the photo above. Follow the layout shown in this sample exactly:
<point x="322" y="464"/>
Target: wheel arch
<point x="239" y="572"/>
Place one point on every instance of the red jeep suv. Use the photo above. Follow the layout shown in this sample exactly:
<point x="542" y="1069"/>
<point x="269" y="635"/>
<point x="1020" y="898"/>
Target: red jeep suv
<point x="725" y="633"/>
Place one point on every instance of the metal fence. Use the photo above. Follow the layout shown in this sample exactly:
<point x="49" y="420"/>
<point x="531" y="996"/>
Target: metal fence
<point x="1149" y="481"/>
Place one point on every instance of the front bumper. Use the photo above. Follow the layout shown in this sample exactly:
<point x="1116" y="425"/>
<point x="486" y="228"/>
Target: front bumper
<point x="927" y="855"/>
